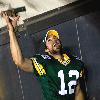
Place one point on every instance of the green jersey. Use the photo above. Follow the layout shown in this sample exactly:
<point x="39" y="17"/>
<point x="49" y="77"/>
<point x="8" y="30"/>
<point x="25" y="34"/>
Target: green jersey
<point x="58" y="79"/>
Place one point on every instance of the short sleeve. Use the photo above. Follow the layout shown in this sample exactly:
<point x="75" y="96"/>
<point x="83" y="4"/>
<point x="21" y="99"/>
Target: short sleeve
<point x="38" y="68"/>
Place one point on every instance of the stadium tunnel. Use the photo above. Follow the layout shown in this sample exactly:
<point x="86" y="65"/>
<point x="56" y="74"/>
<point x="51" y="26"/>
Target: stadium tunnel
<point x="78" y="23"/>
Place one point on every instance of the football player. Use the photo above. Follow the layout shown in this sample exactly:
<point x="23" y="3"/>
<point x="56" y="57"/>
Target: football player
<point x="61" y="76"/>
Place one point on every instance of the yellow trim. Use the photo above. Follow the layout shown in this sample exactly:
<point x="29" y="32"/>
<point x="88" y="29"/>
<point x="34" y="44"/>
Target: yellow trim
<point x="38" y="67"/>
<point x="81" y="73"/>
<point x="66" y="58"/>
<point x="42" y="69"/>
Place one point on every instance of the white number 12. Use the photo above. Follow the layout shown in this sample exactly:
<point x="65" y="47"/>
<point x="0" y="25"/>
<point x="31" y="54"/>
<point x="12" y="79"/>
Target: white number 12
<point x="70" y="84"/>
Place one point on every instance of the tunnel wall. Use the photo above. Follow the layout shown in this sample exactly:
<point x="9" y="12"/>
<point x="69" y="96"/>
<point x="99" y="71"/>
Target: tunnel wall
<point x="81" y="36"/>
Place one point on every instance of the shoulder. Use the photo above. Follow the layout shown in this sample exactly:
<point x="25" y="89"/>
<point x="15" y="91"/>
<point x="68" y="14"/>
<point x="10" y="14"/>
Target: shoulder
<point x="76" y="58"/>
<point x="41" y="57"/>
<point x="45" y="56"/>
<point x="78" y="61"/>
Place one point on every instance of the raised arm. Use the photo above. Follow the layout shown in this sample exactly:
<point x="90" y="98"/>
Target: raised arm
<point x="23" y="63"/>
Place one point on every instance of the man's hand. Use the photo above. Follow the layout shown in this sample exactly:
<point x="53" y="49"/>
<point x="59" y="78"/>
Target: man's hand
<point x="23" y="63"/>
<point x="11" y="21"/>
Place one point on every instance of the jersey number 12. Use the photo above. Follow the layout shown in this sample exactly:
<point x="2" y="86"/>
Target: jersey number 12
<point x="70" y="84"/>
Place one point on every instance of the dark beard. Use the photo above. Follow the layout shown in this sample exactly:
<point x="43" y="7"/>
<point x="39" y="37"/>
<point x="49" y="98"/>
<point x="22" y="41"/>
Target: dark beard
<point x="55" y="52"/>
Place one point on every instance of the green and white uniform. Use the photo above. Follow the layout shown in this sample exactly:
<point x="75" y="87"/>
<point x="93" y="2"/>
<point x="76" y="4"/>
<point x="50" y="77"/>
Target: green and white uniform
<point x="58" y="79"/>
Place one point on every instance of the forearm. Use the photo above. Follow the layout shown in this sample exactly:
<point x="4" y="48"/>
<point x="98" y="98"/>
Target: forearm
<point x="15" y="49"/>
<point x="79" y="96"/>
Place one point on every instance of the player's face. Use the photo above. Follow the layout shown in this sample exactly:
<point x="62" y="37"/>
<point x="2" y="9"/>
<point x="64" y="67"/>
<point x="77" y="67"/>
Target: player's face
<point x="53" y="44"/>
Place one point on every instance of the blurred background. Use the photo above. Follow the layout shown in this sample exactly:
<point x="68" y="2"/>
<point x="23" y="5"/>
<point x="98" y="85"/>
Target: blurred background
<point x="78" y="23"/>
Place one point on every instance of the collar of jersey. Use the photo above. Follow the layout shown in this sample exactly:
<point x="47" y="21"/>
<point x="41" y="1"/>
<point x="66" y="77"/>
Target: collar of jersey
<point x="66" y="60"/>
